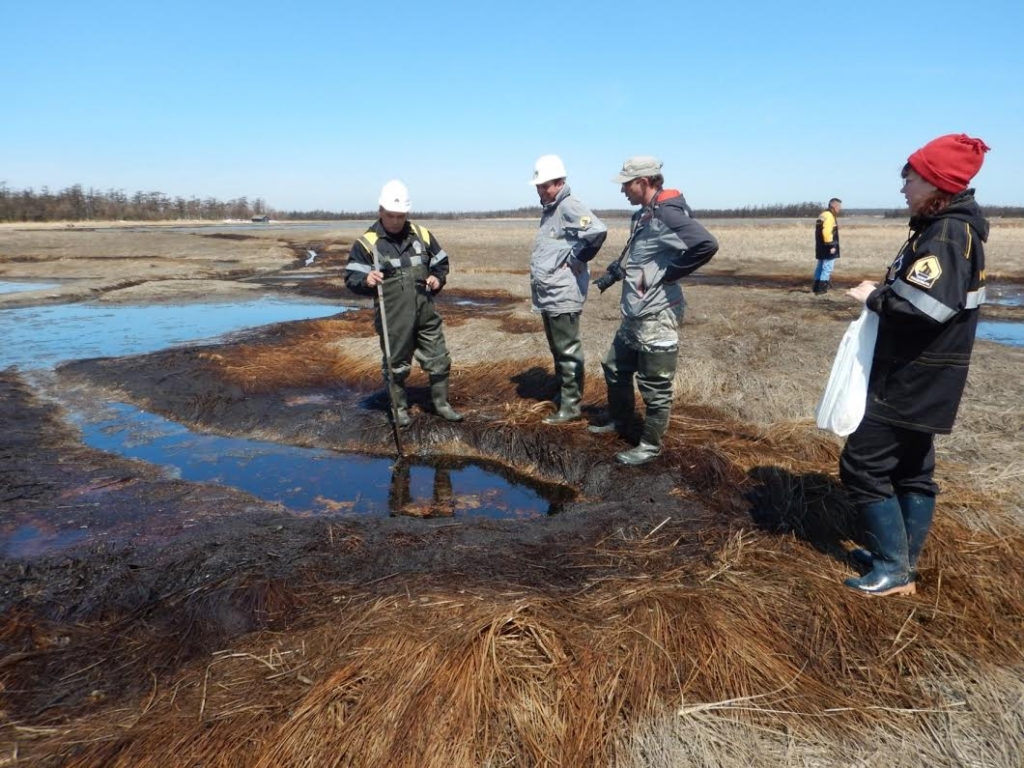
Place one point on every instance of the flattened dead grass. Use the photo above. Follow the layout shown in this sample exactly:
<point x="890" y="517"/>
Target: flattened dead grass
<point x="734" y="629"/>
<point x="708" y="627"/>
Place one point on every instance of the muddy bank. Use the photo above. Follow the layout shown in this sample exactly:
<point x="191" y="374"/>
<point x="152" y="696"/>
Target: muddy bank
<point x="663" y="606"/>
<point x="719" y="566"/>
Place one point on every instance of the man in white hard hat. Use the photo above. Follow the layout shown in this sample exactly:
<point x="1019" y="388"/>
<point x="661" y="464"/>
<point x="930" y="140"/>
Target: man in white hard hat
<point x="569" y="236"/>
<point x="412" y="269"/>
<point x="665" y="243"/>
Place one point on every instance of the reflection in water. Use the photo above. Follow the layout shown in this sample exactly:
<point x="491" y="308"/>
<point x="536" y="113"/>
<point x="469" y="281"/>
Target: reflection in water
<point x="314" y="481"/>
<point x="305" y="481"/>
<point x="28" y="540"/>
<point x="40" y="337"/>
<point x="400" y="496"/>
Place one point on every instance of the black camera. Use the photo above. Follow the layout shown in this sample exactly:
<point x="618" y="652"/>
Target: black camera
<point x="611" y="276"/>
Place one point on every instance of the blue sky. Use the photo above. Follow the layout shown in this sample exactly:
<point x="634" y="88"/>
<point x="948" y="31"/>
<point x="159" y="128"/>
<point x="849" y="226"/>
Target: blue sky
<point x="315" y="104"/>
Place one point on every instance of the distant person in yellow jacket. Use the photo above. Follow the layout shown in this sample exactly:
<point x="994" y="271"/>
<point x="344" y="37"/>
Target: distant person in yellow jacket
<point x="826" y="244"/>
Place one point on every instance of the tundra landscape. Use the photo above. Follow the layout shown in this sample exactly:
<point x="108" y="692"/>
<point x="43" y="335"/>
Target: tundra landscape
<point x="686" y="612"/>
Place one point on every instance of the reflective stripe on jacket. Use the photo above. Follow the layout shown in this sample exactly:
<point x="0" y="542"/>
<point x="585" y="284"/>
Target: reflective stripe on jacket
<point x="412" y="249"/>
<point x="928" y="317"/>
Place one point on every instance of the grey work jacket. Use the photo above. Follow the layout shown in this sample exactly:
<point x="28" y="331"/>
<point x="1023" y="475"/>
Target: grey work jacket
<point x="665" y="244"/>
<point x="568" y="229"/>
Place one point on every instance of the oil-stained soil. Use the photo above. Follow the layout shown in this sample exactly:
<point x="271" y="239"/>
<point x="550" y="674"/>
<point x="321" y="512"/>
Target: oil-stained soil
<point x="209" y="627"/>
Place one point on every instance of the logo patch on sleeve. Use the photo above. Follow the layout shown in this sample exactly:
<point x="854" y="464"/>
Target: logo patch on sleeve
<point x="584" y="222"/>
<point x="925" y="272"/>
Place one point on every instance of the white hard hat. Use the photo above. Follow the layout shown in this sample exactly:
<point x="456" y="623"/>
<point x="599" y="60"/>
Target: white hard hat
<point x="394" y="197"/>
<point x="547" y="168"/>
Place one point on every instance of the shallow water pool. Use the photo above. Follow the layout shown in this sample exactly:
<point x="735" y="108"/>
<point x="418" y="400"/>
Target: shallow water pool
<point x="1002" y="331"/>
<point x="8" y="286"/>
<point x="43" y="336"/>
<point x="304" y="481"/>
<point x="314" y="481"/>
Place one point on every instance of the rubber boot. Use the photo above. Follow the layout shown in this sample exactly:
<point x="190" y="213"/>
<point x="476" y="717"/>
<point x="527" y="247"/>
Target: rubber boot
<point x="401" y="410"/>
<point x="890" y="567"/>
<point x="641" y="454"/>
<point x="568" y="410"/>
<point x="817" y="287"/>
<point x="621" y="404"/>
<point x="649" y="448"/>
<point x="439" y="396"/>
<point x="567" y="352"/>
<point x="569" y="401"/>
<point x="918" y="511"/>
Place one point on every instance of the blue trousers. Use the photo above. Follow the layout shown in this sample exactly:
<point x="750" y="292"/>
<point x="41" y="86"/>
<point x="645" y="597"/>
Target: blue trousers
<point x="824" y="269"/>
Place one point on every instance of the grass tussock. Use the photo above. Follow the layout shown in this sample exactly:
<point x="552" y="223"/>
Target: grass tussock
<point x="734" y="630"/>
<point x="303" y="356"/>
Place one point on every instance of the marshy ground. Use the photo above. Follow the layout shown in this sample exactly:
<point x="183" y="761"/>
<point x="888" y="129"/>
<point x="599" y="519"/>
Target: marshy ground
<point x="686" y="612"/>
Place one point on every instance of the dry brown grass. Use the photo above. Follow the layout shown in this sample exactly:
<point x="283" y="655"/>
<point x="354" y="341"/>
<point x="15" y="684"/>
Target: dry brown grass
<point x="741" y="632"/>
<point x="707" y="628"/>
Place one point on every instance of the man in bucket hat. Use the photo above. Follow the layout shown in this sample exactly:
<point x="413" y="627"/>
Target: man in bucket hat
<point x="665" y="243"/>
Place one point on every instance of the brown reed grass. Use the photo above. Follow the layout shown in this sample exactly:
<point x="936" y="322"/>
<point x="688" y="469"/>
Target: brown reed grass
<point x="724" y="605"/>
<point x="430" y="673"/>
<point x="703" y="624"/>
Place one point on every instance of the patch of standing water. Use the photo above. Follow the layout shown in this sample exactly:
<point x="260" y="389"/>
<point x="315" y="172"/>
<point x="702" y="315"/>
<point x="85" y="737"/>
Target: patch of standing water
<point x="1004" y="295"/>
<point x="28" y="540"/>
<point x="313" y="481"/>
<point x="7" y="286"/>
<point x="306" y="481"/>
<point x="42" y="336"/>
<point x="1002" y="332"/>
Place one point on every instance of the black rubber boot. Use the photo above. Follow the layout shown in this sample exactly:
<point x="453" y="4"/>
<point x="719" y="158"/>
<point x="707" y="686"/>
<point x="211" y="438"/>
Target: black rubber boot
<point x="817" y="287"/>
<point x="890" y="568"/>
<point x="918" y="511"/>
<point x="439" y="396"/>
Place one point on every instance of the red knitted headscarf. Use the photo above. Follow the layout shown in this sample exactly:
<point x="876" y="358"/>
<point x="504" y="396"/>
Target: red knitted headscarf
<point x="949" y="162"/>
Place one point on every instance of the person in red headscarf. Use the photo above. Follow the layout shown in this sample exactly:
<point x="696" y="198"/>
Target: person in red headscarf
<point x="928" y="316"/>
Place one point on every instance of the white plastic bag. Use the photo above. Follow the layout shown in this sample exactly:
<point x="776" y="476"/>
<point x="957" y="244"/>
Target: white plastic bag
<point x="846" y="394"/>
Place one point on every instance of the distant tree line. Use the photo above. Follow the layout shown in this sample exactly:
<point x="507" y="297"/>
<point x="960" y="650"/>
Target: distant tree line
<point x="990" y="211"/>
<point x="78" y="204"/>
<point x="797" y="210"/>
<point x="528" y="212"/>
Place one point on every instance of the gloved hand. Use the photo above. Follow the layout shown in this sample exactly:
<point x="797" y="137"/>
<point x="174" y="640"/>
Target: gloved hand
<point x="611" y="276"/>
